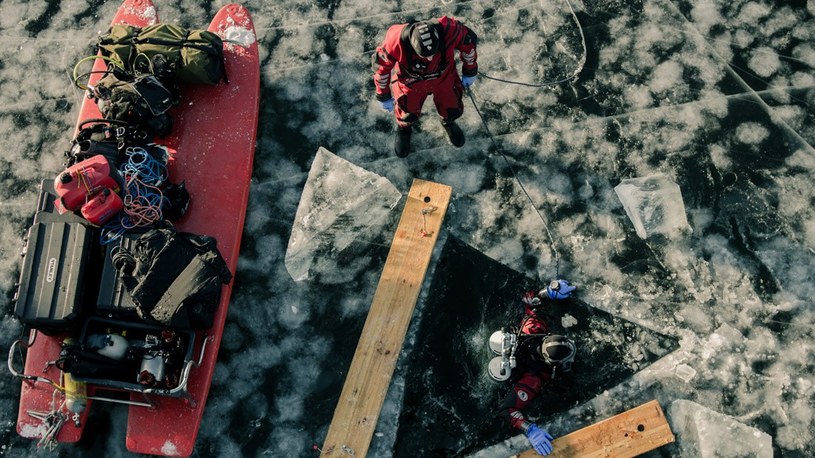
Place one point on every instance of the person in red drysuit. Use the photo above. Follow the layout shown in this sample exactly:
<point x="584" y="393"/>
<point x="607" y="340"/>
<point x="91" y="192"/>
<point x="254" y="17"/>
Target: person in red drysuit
<point x="422" y="55"/>
<point x="541" y="356"/>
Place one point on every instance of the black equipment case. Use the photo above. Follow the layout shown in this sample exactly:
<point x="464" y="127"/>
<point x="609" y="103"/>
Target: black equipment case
<point x="46" y="212"/>
<point x="52" y="277"/>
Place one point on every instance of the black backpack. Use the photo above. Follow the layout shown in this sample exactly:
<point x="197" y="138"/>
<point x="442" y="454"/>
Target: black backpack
<point x="174" y="278"/>
<point x="141" y="101"/>
<point x="107" y="137"/>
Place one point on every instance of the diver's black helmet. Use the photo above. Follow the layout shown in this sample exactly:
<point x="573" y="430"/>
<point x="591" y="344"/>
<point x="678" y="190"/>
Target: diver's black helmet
<point x="558" y="351"/>
<point x="425" y="38"/>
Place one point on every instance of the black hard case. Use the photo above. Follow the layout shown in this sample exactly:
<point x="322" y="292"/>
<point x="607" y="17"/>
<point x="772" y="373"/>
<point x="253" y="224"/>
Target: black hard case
<point x="52" y="279"/>
<point x="59" y="255"/>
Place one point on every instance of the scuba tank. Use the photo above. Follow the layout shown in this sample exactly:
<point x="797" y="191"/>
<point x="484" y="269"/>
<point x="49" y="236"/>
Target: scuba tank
<point x="152" y="371"/>
<point x="76" y="392"/>
<point x="553" y="352"/>
<point x="503" y="344"/>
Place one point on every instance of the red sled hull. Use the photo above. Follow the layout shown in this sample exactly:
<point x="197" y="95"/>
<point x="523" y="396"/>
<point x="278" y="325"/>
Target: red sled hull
<point x="40" y="397"/>
<point x="214" y="130"/>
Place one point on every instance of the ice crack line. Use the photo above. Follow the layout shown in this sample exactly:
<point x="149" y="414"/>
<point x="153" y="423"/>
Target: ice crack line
<point x="779" y="122"/>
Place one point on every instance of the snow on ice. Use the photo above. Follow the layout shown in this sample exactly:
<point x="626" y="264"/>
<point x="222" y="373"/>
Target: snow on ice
<point x="717" y="96"/>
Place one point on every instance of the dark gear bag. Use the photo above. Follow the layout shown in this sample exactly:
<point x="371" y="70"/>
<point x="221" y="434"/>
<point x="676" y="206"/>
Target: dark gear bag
<point x="167" y="50"/>
<point x="107" y="137"/>
<point x="141" y="101"/>
<point x="174" y="278"/>
<point x="176" y="201"/>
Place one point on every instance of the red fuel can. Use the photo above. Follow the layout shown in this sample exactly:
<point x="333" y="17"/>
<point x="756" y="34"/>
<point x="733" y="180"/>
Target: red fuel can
<point x="80" y="181"/>
<point x="103" y="206"/>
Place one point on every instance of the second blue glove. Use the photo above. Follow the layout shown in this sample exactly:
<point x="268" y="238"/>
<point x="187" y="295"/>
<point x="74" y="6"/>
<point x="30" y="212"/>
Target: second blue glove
<point x="541" y="440"/>
<point x="386" y="105"/>
<point x="559" y="289"/>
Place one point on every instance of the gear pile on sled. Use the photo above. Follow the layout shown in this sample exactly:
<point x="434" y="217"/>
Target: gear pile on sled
<point x="119" y="301"/>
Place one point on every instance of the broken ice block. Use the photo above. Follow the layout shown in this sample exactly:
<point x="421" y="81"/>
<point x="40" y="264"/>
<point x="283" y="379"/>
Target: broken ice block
<point x="685" y="372"/>
<point x="654" y="205"/>
<point x="705" y="433"/>
<point x="341" y="202"/>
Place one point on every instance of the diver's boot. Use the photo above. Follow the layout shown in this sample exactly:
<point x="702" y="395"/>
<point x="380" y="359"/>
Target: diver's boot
<point x="454" y="133"/>
<point x="401" y="140"/>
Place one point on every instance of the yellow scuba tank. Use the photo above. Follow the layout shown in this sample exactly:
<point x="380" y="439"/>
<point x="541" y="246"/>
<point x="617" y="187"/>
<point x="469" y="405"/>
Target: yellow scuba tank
<point x="76" y="392"/>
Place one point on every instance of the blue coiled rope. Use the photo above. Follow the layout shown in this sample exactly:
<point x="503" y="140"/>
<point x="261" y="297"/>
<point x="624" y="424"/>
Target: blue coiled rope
<point x="143" y="175"/>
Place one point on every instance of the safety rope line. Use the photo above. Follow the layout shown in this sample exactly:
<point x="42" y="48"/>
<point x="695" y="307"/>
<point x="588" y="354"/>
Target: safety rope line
<point x="570" y="78"/>
<point x="520" y="183"/>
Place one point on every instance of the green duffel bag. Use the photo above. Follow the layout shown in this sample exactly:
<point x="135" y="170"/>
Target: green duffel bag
<point x="202" y="58"/>
<point x="118" y="44"/>
<point x="167" y="50"/>
<point x="156" y="42"/>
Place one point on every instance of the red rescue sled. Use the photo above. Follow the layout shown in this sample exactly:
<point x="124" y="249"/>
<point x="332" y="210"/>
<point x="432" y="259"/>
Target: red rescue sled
<point x="214" y="130"/>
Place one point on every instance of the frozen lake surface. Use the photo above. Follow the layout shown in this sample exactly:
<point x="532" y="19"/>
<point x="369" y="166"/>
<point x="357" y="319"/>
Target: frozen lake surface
<point x="715" y="321"/>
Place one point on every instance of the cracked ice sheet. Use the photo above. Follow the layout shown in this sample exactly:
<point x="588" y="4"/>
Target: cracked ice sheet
<point x="570" y="145"/>
<point x="341" y="202"/>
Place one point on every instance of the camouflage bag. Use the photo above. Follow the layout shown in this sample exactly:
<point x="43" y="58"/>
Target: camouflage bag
<point x="167" y="51"/>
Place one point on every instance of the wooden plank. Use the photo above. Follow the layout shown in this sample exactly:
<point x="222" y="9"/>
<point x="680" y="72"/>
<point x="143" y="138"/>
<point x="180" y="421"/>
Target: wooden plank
<point x="628" y="434"/>
<point x="366" y="384"/>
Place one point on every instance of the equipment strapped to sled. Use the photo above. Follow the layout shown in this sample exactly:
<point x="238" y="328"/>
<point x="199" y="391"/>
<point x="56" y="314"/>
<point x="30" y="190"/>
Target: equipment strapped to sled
<point x="141" y="100"/>
<point x="174" y="278"/>
<point x="167" y="51"/>
<point x="107" y="137"/>
<point x="80" y="182"/>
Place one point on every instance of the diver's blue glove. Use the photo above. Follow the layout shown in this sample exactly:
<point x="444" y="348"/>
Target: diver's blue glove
<point x="468" y="81"/>
<point x="386" y="105"/>
<point x="559" y="289"/>
<point x="541" y="440"/>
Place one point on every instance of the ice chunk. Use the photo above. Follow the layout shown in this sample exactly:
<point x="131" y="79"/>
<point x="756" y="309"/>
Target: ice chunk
<point x="654" y="204"/>
<point x="685" y="372"/>
<point x="340" y="203"/>
<point x="704" y="433"/>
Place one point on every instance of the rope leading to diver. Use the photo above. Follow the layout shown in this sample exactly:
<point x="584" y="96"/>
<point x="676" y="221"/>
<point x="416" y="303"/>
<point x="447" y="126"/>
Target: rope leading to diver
<point x="520" y="183"/>
<point x="573" y="76"/>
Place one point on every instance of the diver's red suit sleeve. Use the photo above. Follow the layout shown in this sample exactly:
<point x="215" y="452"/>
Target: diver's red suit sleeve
<point x="524" y="390"/>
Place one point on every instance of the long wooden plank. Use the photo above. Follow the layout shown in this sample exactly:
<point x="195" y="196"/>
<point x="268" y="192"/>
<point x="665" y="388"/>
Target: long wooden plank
<point x="384" y="332"/>
<point x="631" y="433"/>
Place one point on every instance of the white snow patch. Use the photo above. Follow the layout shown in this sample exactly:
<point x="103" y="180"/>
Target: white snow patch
<point x="30" y="431"/>
<point x="764" y="62"/>
<point x="751" y="133"/>
<point x="568" y="321"/>
<point x="239" y="35"/>
<point x="666" y="75"/>
<point x="169" y="449"/>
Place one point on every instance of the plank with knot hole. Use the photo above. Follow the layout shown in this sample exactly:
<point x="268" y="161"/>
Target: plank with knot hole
<point x="383" y="334"/>
<point x="628" y="434"/>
